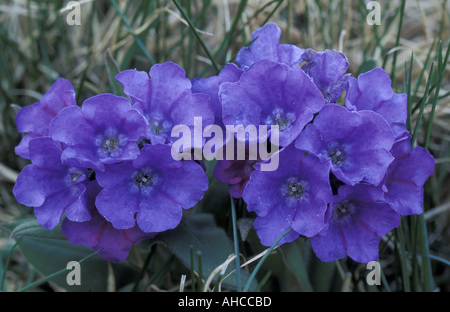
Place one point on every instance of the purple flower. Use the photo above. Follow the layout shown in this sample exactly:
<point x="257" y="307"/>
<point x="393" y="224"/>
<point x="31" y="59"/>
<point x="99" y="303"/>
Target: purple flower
<point x="104" y="131"/>
<point x="269" y="93"/>
<point x="406" y="176"/>
<point x="151" y="191"/>
<point x="355" y="222"/>
<point x="265" y="45"/>
<point x="356" y="145"/>
<point x="98" y="233"/>
<point x="165" y="99"/>
<point x="35" y="119"/>
<point x="211" y="85"/>
<point x="373" y="91"/>
<point x="235" y="172"/>
<point x="51" y="187"/>
<point x="327" y="69"/>
<point x="293" y="197"/>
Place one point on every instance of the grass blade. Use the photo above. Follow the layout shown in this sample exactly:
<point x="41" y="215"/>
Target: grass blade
<point x="258" y="266"/>
<point x="136" y="38"/>
<point x="197" y="35"/>
<point x="236" y="246"/>
<point x="43" y="280"/>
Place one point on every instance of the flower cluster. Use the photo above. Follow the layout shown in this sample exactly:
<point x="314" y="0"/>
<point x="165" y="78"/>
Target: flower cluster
<point x="345" y="176"/>
<point x="346" y="171"/>
<point x="106" y="167"/>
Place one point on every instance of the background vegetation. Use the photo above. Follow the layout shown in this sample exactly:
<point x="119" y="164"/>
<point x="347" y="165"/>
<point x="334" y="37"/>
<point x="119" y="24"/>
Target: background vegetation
<point x="37" y="46"/>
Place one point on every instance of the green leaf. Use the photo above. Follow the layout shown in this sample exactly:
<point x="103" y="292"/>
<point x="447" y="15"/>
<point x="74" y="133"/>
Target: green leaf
<point x="113" y="70"/>
<point x="322" y="275"/>
<point x="293" y="258"/>
<point x="201" y="232"/>
<point x="368" y="65"/>
<point x="130" y="29"/>
<point x="49" y="251"/>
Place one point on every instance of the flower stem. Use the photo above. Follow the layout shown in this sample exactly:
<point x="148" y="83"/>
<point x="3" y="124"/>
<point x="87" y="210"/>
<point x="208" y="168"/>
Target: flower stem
<point x="258" y="266"/>
<point x="197" y="35"/>
<point x="236" y="246"/>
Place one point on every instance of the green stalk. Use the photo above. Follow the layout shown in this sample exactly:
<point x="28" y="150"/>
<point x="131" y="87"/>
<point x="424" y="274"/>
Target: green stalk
<point x="272" y="12"/>
<point x="426" y="263"/>
<point x="144" y="268"/>
<point x="236" y="246"/>
<point x="419" y="79"/>
<point x="192" y="269"/>
<point x="397" y="41"/>
<point x="414" y="264"/>
<point x="408" y="90"/>
<point x="260" y="263"/>
<point x="136" y="38"/>
<point x="197" y="35"/>
<point x="200" y="271"/>
<point x="403" y="260"/>
<point x="8" y="260"/>
<point x="442" y="64"/>
<point x="227" y="40"/>
<point x="422" y="108"/>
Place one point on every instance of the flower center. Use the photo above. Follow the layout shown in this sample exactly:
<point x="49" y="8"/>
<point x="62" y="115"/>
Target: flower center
<point x="144" y="179"/>
<point x="281" y="119"/>
<point x="282" y="122"/>
<point x="110" y="144"/>
<point x="342" y="209"/>
<point x="295" y="189"/>
<point x="75" y="176"/>
<point x="156" y="127"/>
<point x="337" y="156"/>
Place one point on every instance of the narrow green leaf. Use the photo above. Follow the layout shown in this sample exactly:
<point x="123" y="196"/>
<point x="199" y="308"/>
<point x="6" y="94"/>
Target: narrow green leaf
<point x="293" y="259"/>
<point x="419" y="79"/>
<point x="269" y="16"/>
<point x="408" y="93"/>
<point x="113" y="70"/>
<point x="136" y="38"/>
<point x="397" y="41"/>
<point x="260" y="263"/>
<point x="236" y="244"/>
<point x="422" y="108"/>
<point x="442" y="64"/>
<point x="403" y="258"/>
<point x="227" y="41"/>
<point x="424" y="248"/>
<point x="197" y="35"/>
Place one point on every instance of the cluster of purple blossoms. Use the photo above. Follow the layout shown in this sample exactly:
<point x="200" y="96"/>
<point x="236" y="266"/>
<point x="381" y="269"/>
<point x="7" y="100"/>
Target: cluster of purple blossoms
<point x="346" y="172"/>
<point x="106" y="168"/>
